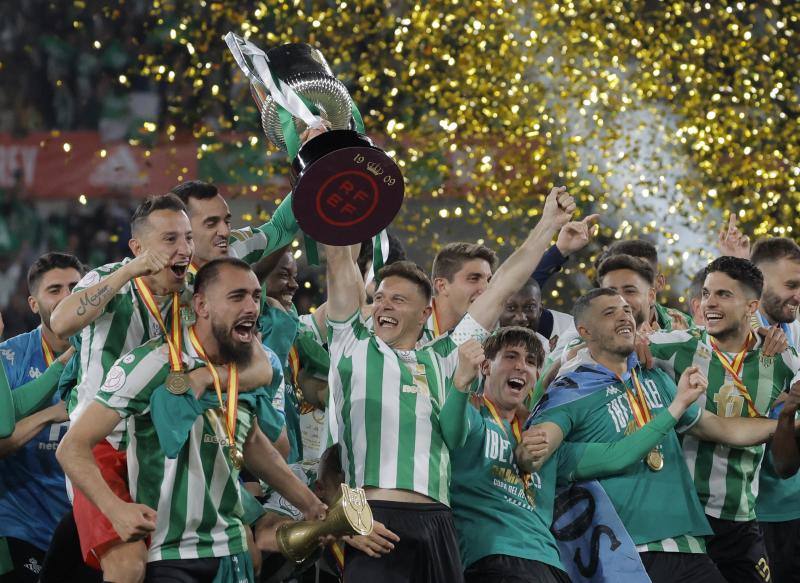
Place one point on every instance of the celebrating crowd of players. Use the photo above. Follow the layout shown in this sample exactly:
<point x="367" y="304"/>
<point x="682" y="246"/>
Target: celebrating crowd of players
<point x="194" y="411"/>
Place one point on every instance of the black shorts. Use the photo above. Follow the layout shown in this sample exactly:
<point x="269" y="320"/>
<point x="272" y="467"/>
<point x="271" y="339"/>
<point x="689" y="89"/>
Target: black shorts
<point x="63" y="562"/>
<point x="739" y="551"/>
<point x="506" y="569"/>
<point x="182" y="571"/>
<point x="680" y="568"/>
<point x="427" y="551"/>
<point x="27" y="560"/>
<point x="782" y="540"/>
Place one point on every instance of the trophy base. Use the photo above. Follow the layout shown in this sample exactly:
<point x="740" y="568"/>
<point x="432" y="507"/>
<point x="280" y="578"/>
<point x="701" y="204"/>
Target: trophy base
<point x="345" y="189"/>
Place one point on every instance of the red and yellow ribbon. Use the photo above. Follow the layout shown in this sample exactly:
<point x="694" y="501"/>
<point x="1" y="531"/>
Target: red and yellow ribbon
<point x="192" y="268"/>
<point x="231" y="409"/>
<point x="337" y="548"/>
<point x="173" y="337"/>
<point x="49" y="355"/>
<point x="639" y="406"/>
<point x="435" y="317"/>
<point x="734" y="368"/>
<point x="294" y="369"/>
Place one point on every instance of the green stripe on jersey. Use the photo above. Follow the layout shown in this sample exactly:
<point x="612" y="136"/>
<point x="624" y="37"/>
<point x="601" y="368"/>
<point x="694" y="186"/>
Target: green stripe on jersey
<point x="385" y="407"/>
<point x="124" y="324"/>
<point x="196" y="495"/>
<point x="726" y="478"/>
<point x="680" y="544"/>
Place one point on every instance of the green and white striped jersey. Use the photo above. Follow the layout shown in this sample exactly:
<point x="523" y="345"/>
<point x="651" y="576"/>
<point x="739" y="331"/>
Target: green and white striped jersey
<point x="196" y="495"/>
<point x="681" y="544"/>
<point x="384" y="407"/>
<point x="124" y="324"/>
<point x="726" y="478"/>
<point x="274" y="501"/>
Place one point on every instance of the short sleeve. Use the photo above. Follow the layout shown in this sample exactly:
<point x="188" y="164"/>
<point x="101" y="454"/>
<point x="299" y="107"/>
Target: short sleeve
<point x="467" y="329"/>
<point x="130" y="383"/>
<point x="563" y="416"/>
<point x="669" y="390"/>
<point x="96" y="276"/>
<point x="344" y="336"/>
<point x="247" y="244"/>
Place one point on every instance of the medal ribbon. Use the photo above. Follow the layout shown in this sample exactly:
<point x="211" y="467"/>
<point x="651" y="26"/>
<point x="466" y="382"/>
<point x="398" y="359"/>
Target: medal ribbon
<point x="734" y="368"/>
<point x="337" y="548"/>
<point x="231" y="409"/>
<point x="49" y="355"/>
<point x="515" y="429"/>
<point x="436" y="330"/>
<point x="192" y="268"/>
<point x="639" y="406"/>
<point x="294" y="368"/>
<point x="173" y="337"/>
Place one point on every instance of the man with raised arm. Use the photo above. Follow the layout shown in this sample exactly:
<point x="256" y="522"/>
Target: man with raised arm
<point x="32" y="492"/>
<point x="210" y="218"/>
<point x="604" y="394"/>
<point x="114" y="309"/>
<point x="744" y="381"/>
<point x="190" y="506"/>
<point x="502" y="514"/>
<point x="385" y="398"/>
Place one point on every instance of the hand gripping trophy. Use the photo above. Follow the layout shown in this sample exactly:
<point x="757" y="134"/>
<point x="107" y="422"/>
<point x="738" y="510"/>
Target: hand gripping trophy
<point x="344" y="189"/>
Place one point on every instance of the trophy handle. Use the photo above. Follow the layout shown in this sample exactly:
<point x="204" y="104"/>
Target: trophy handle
<point x="260" y="73"/>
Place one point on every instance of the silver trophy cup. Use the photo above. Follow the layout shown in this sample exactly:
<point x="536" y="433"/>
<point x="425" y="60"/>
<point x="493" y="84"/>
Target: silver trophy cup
<point x="345" y="189"/>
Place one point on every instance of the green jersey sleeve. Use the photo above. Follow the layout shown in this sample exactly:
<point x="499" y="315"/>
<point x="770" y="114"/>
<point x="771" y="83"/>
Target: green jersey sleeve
<point x="130" y="383"/>
<point x="250" y="245"/>
<point x="666" y="386"/>
<point x="673" y="352"/>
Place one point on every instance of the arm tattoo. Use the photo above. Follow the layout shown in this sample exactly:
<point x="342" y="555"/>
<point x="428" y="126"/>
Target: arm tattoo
<point x="92" y="299"/>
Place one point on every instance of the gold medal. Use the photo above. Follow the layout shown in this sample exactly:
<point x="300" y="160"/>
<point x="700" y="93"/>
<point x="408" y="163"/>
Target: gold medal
<point x="655" y="460"/>
<point x="177" y="382"/>
<point x="237" y="458"/>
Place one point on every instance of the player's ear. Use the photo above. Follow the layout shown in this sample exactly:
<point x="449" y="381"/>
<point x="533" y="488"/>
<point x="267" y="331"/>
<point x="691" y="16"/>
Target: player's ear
<point x="486" y="366"/>
<point x="200" y="305"/>
<point x="135" y="246"/>
<point x="34" y="305"/>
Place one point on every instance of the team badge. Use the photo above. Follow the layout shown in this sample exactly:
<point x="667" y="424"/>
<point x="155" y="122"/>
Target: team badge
<point x="114" y="379"/>
<point x="89" y="279"/>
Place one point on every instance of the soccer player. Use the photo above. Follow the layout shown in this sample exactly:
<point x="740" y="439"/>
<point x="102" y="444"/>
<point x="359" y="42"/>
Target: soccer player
<point x="502" y="515"/>
<point x="116" y="308"/>
<point x="778" y="259"/>
<point x="189" y="506"/>
<point x="32" y="491"/>
<point x="660" y="317"/>
<point x="210" y="219"/>
<point x="524" y="309"/>
<point x="461" y="272"/>
<point x="602" y="395"/>
<point x="385" y="396"/>
<point x="743" y="382"/>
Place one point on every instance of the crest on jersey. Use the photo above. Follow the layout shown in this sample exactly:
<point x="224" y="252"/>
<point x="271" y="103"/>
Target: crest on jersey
<point x="114" y="379"/>
<point x="89" y="279"/>
<point x="8" y="354"/>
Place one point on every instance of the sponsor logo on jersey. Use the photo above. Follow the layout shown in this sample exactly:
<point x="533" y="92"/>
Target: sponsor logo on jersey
<point x="34" y="372"/>
<point x="216" y="439"/>
<point x="8" y="354"/>
<point x="612" y="390"/>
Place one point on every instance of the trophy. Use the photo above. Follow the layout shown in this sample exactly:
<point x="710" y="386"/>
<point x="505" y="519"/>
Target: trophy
<point x="349" y="515"/>
<point x="344" y="189"/>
